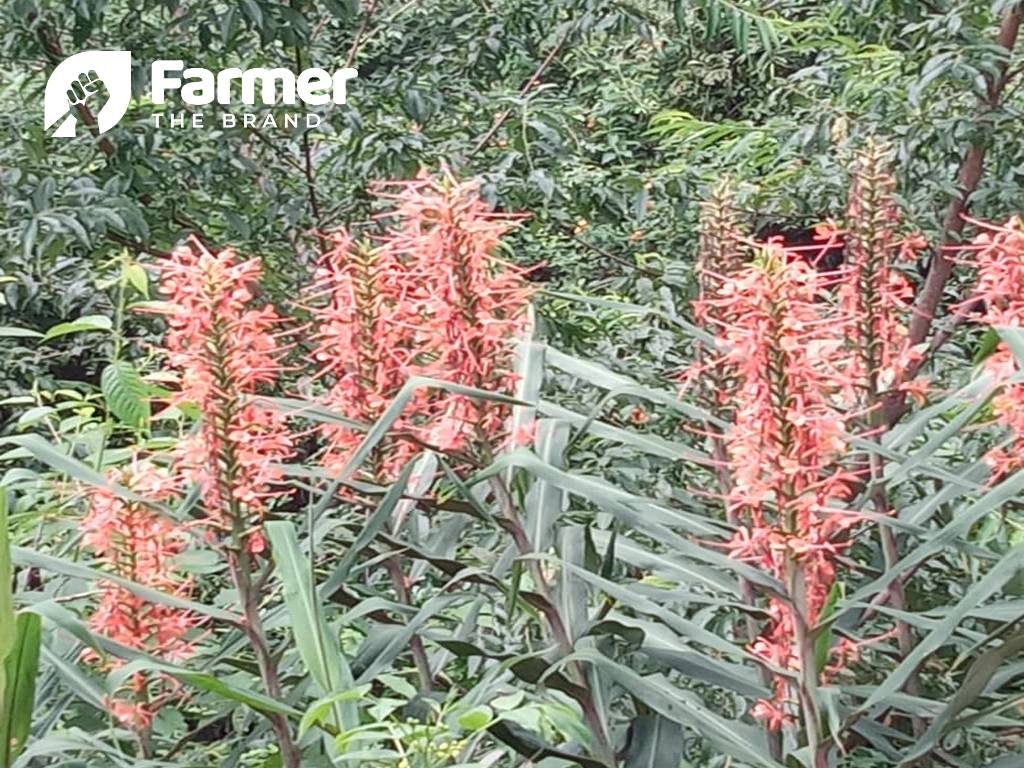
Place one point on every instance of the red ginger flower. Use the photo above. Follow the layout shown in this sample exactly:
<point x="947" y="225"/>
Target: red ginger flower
<point x="135" y="542"/>
<point x="1001" y="285"/>
<point x="787" y="329"/>
<point x="226" y="350"/>
<point x="873" y="293"/>
<point x="430" y="299"/>
<point x="720" y="254"/>
<point x="474" y="305"/>
<point x="366" y="324"/>
<point x="783" y="350"/>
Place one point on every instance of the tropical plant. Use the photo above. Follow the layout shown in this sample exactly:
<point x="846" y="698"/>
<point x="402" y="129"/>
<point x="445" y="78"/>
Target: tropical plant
<point x="282" y="492"/>
<point x="624" y="625"/>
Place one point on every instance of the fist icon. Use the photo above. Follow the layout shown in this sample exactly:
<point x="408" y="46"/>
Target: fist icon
<point x="92" y="86"/>
<point x="84" y="87"/>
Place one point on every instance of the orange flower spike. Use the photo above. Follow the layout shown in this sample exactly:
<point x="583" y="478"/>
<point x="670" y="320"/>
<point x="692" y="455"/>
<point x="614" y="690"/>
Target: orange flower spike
<point x="1000" y="264"/>
<point x="134" y="542"/>
<point x="783" y="352"/>
<point x="365" y="319"/>
<point x="226" y="352"/>
<point x="474" y="304"/>
<point x="873" y="293"/>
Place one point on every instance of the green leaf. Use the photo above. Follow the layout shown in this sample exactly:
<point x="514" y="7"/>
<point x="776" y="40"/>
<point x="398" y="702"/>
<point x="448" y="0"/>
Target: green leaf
<point x="997" y="576"/>
<point x="626" y="594"/>
<point x="56" y="458"/>
<point x="986" y="346"/>
<point x="319" y="650"/>
<point x="823" y="643"/>
<point x="124" y="392"/>
<point x="617" y="384"/>
<point x="137" y="278"/>
<point x="739" y="740"/>
<point x="29" y="558"/>
<point x="572" y="594"/>
<point x="20" y="669"/>
<point x="654" y="742"/>
<point x="477" y="718"/>
<point x="530" y="380"/>
<point x="310" y="409"/>
<point x="973" y="685"/>
<point x="73" y="743"/>
<point x="1014" y="338"/>
<point x="398" y="641"/>
<point x="646" y="516"/>
<point x="649" y="443"/>
<point x="83" y="324"/>
<point x="961" y="522"/>
<point x="7" y="631"/>
<point x="319" y="710"/>
<point x="546" y="501"/>
<point x="207" y="682"/>
<point x="391" y="414"/>
<point x="10" y="332"/>
<point x="374" y="525"/>
<point x="74" y="679"/>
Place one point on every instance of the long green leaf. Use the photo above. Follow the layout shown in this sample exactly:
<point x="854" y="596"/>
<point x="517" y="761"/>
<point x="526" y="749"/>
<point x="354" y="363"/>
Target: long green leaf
<point x="687" y="630"/>
<point x="654" y="742"/>
<point x="648" y="443"/>
<point x="1002" y="572"/>
<point x="617" y="384"/>
<point x="207" y="682"/>
<point x="29" y="558"/>
<point x="731" y="737"/>
<point x="545" y="501"/>
<point x="962" y="522"/>
<point x="20" y="669"/>
<point x="7" y="621"/>
<point x="380" y="428"/>
<point x="320" y="651"/>
<point x="374" y="525"/>
<point x="971" y="688"/>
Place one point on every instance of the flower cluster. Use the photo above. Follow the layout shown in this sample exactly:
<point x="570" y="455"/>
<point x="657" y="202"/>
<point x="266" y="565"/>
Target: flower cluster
<point x="720" y="251"/>
<point x="226" y="350"/>
<point x="872" y="292"/>
<point x="430" y="298"/>
<point x="135" y="542"/>
<point x="474" y="304"/>
<point x="1000" y="264"/>
<point x="784" y="352"/>
<point x="720" y="255"/>
<point x="806" y="347"/>
<point x="365" y="303"/>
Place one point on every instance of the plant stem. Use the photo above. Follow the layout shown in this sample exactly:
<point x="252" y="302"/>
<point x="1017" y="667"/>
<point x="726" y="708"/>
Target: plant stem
<point x="808" y="684"/>
<point x="897" y="594"/>
<point x="241" y="573"/>
<point x="419" y="653"/>
<point x="747" y="595"/>
<point x="602" y="744"/>
<point x="239" y="562"/>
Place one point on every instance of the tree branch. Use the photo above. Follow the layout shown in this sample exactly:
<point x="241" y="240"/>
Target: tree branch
<point x="534" y="78"/>
<point x="972" y="167"/>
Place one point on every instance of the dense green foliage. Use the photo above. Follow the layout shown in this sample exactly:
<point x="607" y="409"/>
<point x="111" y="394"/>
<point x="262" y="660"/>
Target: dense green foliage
<point x="607" y="122"/>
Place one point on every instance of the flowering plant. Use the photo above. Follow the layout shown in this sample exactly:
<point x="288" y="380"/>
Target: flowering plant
<point x="731" y="572"/>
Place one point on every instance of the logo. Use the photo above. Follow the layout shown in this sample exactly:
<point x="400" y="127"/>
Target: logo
<point x="101" y="80"/>
<point x="313" y="86"/>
